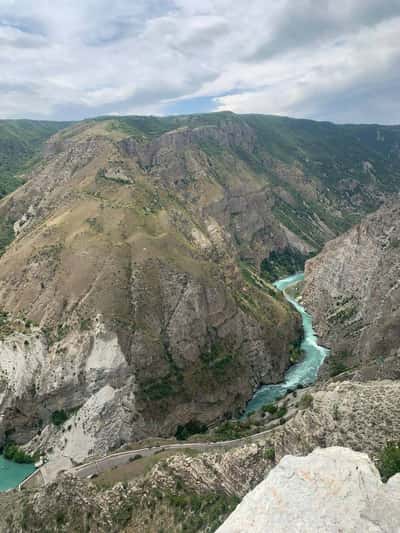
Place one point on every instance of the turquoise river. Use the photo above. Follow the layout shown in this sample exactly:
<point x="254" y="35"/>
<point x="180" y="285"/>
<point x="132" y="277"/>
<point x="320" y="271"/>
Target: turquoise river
<point x="11" y="474"/>
<point x="303" y="373"/>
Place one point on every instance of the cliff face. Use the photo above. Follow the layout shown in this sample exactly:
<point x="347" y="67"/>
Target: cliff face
<point x="352" y="289"/>
<point x="334" y="489"/>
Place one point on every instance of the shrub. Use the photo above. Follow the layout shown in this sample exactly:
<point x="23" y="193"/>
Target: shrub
<point x="193" y="427"/>
<point x="336" y="414"/>
<point x="135" y="458"/>
<point x="306" y="401"/>
<point x="13" y="453"/>
<point x="59" y="417"/>
<point x="337" y="367"/>
<point x="281" y="411"/>
<point x="270" y="408"/>
<point x="270" y="454"/>
<point x="389" y="461"/>
<point x="231" y="430"/>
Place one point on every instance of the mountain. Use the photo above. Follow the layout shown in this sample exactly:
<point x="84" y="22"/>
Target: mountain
<point x="136" y="293"/>
<point x="352" y="289"/>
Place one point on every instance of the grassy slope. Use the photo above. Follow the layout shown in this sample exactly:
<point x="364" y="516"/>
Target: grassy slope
<point x="331" y="158"/>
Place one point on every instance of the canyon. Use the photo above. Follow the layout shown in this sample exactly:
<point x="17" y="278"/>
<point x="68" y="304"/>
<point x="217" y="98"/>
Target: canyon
<point x="137" y="269"/>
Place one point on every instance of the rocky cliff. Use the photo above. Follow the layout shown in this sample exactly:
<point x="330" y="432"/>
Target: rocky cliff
<point x="334" y="489"/>
<point x="352" y="289"/>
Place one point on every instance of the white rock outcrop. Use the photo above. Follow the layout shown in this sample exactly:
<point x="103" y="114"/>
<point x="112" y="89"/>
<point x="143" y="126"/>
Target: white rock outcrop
<point x="331" y="490"/>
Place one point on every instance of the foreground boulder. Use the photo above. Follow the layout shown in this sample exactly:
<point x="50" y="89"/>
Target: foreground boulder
<point x="333" y="489"/>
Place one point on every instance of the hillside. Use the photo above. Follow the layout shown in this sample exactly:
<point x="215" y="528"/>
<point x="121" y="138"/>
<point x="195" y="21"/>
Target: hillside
<point x="137" y="285"/>
<point x="21" y="142"/>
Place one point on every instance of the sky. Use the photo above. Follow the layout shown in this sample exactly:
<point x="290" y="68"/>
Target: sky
<point x="326" y="60"/>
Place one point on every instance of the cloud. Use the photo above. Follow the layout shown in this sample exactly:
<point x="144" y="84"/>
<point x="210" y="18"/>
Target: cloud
<point x="326" y="60"/>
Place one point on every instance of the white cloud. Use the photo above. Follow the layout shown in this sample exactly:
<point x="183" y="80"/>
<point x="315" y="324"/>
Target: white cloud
<point x="69" y="59"/>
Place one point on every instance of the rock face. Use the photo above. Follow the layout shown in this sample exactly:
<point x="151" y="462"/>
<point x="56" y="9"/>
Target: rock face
<point x="332" y="490"/>
<point x="352" y="289"/>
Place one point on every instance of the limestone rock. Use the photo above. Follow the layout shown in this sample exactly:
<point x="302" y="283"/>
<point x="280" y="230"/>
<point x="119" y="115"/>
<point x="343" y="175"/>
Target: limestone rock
<point x="330" y="490"/>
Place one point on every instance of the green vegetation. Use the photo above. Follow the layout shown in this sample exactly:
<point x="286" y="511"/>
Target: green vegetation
<point x="6" y="233"/>
<point x="20" y="142"/>
<point x="274" y="410"/>
<point x="85" y="324"/>
<point x="162" y="388"/>
<point x="142" y="128"/>
<point x="344" y="314"/>
<point x="337" y="365"/>
<point x="331" y="152"/>
<point x="218" y="361"/>
<point x="193" y="427"/>
<point x="12" y="452"/>
<point x="20" y="145"/>
<point x="336" y="412"/>
<point x="281" y="412"/>
<point x="306" y="401"/>
<point x="4" y="323"/>
<point x="231" y="430"/>
<point x="389" y="461"/>
<point x="270" y="454"/>
<point x="200" y="512"/>
<point x="282" y="263"/>
<point x="296" y="354"/>
<point x="270" y="408"/>
<point x="59" y="417"/>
